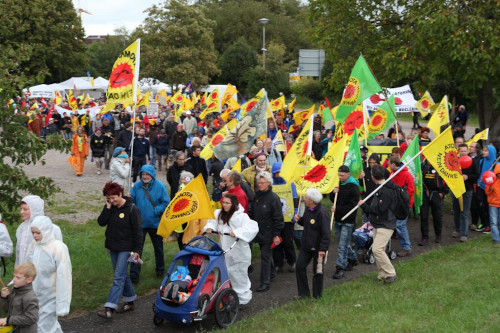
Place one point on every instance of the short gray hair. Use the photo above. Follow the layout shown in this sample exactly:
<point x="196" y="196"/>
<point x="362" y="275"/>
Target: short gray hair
<point x="314" y="194"/>
<point x="223" y="173"/>
<point x="186" y="174"/>
<point x="266" y="175"/>
<point x="179" y="154"/>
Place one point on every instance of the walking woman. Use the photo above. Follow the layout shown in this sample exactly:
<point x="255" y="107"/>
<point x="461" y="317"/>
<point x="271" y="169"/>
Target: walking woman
<point x="123" y="240"/>
<point x="232" y="220"/>
<point x="80" y="149"/>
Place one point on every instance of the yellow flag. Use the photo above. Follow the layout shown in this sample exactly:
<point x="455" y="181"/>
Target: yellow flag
<point x="144" y="100"/>
<point x="207" y="151"/>
<point x="191" y="203"/>
<point x="324" y="175"/>
<point x="483" y="135"/>
<point x="278" y="142"/>
<point x="237" y="166"/>
<point x="443" y="156"/>
<point x="278" y="103"/>
<point x="92" y="81"/>
<point x="228" y="94"/>
<point x="108" y="107"/>
<point x="58" y="99"/>
<point x="424" y="104"/>
<point x="300" y="117"/>
<point x="296" y="160"/>
<point x="124" y="77"/>
<point x="177" y="98"/>
<point x="212" y="103"/>
<point x="291" y="106"/>
<point x="85" y="100"/>
<point x="440" y="117"/>
<point x="286" y="196"/>
<point x="161" y="97"/>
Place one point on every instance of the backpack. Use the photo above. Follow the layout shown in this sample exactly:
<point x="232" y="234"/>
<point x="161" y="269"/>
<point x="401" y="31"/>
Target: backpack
<point x="402" y="207"/>
<point x="244" y="163"/>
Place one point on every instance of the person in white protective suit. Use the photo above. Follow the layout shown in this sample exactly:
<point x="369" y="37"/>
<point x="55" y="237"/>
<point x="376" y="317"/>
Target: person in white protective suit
<point x="233" y="220"/>
<point x="53" y="282"/>
<point x="31" y="207"/>
<point x="5" y="241"/>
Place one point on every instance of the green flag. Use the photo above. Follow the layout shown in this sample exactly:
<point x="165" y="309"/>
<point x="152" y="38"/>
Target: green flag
<point x="415" y="168"/>
<point x="382" y="118"/>
<point x="362" y="84"/>
<point x="327" y="115"/>
<point x="353" y="158"/>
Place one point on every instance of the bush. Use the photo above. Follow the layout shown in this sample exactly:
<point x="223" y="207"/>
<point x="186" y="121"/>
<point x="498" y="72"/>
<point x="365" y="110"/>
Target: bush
<point x="309" y="88"/>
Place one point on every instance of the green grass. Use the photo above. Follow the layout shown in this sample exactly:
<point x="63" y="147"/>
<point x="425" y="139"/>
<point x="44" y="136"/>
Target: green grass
<point x="453" y="289"/>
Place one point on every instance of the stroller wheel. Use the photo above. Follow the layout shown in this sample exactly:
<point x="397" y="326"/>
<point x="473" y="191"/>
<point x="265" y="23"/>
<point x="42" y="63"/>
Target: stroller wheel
<point x="392" y="255"/>
<point x="157" y="321"/>
<point x="371" y="260"/>
<point x="226" y="308"/>
<point x="366" y="257"/>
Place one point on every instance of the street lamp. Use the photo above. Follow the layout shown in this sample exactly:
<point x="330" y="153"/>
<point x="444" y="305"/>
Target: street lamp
<point x="263" y="21"/>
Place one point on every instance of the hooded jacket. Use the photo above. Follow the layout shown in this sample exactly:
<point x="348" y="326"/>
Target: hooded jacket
<point x="347" y="199"/>
<point x="486" y="163"/>
<point x="381" y="208"/>
<point x="174" y="176"/>
<point x="23" y="232"/>
<point x="158" y="194"/>
<point x="493" y="191"/>
<point x="119" y="171"/>
<point x="53" y="282"/>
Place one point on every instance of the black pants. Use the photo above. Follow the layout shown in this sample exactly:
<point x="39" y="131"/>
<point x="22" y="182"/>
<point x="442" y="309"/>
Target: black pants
<point x="157" y="242"/>
<point x="108" y="154"/>
<point x="302" y="284"/>
<point x="479" y="208"/>
<point x="435" y="203"/>
<point x="137" y="164"/>
<point x="266" y="264"/>
<point x="286" y="249"/>
<point x="415" y="120"/>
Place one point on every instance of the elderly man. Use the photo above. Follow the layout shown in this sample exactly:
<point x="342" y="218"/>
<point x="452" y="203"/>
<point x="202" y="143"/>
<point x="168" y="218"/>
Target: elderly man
<point x="266" y="210"/>
<point x="174" y="172"/>
<point x="151" y="197"/>
<point x="315" y="243"/>
<point x="250" y="173"/>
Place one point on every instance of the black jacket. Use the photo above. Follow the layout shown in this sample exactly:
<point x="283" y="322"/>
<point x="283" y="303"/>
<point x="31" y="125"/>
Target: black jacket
<point x="266" y="210"/>
<point x="381" y="208"/>
<point x="124" y="139"/>
<point x="347" y="199"/>
<point x="178" y="140"/>
<point x="97" y="144"/>
<point x="170" y="127"/>
<point x="198" y="165"/>
<point x="124" y="227"/>
<point x="317" y="234"/>
<point x="472" y="173"/>
<point x="432" y="181"/>
<point x="174" y="175"/>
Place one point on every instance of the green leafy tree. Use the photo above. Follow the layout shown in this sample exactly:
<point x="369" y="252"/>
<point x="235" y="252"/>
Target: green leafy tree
<point x="236" y="61"/>
<point x="53" y="30"/>
<point x="448" y="47"/>
<point x="102" y="55"/>
<point x="177" y="44"/>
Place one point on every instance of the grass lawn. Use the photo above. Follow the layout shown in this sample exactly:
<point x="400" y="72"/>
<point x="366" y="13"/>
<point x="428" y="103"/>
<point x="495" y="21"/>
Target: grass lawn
<point x="453" y="289"/>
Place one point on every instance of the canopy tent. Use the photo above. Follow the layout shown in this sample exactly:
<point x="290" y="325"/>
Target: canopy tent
<point x="46" y="90"/>
<point x="150" y="84"/>
<point x="83" y="85"/>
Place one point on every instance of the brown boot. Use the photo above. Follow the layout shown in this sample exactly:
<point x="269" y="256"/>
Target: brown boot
<point x="106" y="313"/>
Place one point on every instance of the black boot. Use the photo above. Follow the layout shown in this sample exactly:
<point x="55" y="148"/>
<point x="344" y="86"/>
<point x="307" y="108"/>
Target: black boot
<point x="339" y="273"/>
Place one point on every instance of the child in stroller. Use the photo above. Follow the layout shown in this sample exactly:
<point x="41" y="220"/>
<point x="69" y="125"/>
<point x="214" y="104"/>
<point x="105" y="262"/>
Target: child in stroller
<point x="363" y="241"/>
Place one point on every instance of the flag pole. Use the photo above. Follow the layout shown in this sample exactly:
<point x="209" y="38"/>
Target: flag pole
<point x="136" y="82"/>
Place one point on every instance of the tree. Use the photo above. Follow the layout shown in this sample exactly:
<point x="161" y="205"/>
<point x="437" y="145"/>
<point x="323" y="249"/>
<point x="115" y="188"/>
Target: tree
<point x="234" y="64"/>
<point x="102" y="55"/>
<point x="177" y="44"/>
<point x="52" y="29"/>
<point x="448" y="46"/>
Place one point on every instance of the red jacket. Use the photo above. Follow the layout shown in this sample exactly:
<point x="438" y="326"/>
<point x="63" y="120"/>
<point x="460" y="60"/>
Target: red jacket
<point x="242" y="197"/>
<point x="404" y="178"/>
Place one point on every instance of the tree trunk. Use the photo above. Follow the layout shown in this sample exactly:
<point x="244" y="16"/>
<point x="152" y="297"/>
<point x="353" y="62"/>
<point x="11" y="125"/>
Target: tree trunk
<point x="488" y="116"/>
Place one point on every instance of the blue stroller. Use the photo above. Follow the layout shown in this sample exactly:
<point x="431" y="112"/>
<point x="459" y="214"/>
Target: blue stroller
<point x="185" y="299"/>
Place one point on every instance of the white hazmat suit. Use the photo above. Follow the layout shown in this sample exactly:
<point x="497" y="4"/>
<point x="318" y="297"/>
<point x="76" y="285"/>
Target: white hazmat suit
<point x="53" y="282"/>
<point x="23" y="232"/>
<point x="240" y="256"/>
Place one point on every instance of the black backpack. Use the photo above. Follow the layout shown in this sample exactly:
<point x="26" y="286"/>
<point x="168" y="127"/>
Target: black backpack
<point x="402" y="207"/>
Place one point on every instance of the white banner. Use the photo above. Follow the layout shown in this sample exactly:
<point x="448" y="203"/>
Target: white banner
<point x="403" y="97"/>
<point x="93" y="111"/>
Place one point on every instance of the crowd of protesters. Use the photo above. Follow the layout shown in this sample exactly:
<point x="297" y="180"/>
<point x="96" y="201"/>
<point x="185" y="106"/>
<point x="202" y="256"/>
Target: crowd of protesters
<point x="246" y="201"/>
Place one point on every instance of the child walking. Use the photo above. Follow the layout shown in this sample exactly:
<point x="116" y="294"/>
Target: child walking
<point x="493" y="194"/>
<point x="22" y="304"/>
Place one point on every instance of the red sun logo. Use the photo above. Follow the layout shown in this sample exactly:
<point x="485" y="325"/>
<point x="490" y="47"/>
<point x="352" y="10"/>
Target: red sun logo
<point x="179" y="98"/>
<point x="350" y="90"/>
<point x="276" y="103"/>
<point x="211" y="106"/>
<point x="398" y="101"/>
<point x="355" y="120"/>
<point x="251" y="105"/>
<point x="376" y="120"/>
<point x="181" y="205"/>
<point x="451" y="161"/>
<point x="214" y="95"/>
<point x="217" y="139"/>
<point x="316" y="174"/>
<point x="304" y="148"/>
<point x="121" y="76"/>
<point x="425" y="104"/>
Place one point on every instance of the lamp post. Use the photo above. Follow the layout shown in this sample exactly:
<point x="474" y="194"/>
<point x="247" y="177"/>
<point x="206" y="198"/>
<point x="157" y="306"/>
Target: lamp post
<point x="263" y="21"/>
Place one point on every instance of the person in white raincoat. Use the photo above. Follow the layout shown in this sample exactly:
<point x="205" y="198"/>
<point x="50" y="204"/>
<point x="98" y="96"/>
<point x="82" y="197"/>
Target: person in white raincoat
<point x="233" y="220"/>
<point x="31" y="207"/>
<point x="53" y="282"/>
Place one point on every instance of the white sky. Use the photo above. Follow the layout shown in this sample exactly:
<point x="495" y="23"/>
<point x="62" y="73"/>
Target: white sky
<point x="107" y="15"/>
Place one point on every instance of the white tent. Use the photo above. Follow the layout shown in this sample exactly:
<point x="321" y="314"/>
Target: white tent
<point x="78" y="83"/>
<point x="46" y="90"/>
<point x="100" y="83"/>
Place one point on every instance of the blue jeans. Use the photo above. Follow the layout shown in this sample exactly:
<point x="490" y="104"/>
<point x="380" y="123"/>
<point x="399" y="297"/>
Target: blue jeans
<point x="157" y="242"/>
<point x="494" y="219"/>
<point x="122" y="286"/>
<point x="297" y="238"/>
<point x="343" y="233"/>
<point x="152" y="155"/>
<point x="403" y="236"/>
<point x="461" y="219"/>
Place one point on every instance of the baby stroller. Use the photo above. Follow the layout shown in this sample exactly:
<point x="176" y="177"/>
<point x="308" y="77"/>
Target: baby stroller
<point x="184" y="300"/>
<point x="368" y="256"/>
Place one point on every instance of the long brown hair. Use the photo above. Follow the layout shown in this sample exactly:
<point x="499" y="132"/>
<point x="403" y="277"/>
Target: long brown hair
<point x="226" y="216"/>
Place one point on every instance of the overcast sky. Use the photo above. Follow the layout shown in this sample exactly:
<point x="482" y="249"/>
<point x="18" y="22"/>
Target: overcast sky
<point x="107" y="15"/>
